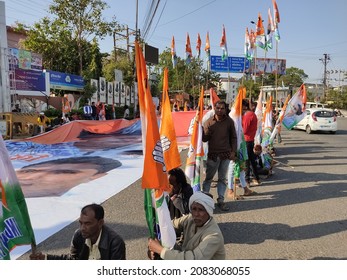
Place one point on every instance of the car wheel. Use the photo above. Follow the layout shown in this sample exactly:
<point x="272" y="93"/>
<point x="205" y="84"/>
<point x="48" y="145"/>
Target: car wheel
<point x="308" y="129"/>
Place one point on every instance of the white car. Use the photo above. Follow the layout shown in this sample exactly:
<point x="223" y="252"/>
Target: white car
<point x="318" y="119"/>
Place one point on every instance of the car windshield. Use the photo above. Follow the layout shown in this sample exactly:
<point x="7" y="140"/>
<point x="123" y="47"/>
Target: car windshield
<point x="324" y="114"/>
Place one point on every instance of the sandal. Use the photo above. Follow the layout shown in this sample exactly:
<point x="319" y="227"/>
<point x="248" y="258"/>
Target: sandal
<point x="250" y="193"/>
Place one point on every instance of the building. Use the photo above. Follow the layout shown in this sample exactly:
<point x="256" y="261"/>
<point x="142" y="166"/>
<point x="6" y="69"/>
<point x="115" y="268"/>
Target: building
<point x="230" y="86"/>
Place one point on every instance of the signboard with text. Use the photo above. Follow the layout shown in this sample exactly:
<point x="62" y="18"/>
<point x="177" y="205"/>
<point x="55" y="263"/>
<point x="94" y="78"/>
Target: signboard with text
<point x="231" y="65"/>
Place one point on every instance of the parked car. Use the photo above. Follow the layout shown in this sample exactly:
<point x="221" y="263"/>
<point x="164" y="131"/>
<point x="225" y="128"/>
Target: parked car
<point x="318" y="119"/>
<point x="314" y="105"/>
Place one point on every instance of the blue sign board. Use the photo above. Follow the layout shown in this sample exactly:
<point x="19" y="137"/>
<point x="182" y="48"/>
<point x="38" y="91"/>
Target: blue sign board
<point x="231" y="65"/>
<point x="65" y="81"/>
<point x="30" y="80"/>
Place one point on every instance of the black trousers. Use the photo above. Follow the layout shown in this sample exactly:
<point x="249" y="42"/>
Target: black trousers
<point x="251" y="165"/>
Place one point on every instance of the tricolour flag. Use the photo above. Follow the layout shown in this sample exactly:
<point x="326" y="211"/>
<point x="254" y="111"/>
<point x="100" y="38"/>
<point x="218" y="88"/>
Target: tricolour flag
<point x="295" y="110"/>
<point x="198" y="45"/>
<point x="248" y="47"/>
<point x="208" y="51"/>
<point x="168" y="139"/>
<point x="223" y="45"/>
<point x="195" y="150"/>
<point x="260" y="33"/>
<point x="259" y="113"/>
<point x="276" y="20"/>
<point x="278" y="125"/>
<point x="267" y="123"/>
<point x="15" y="225"/>
<point x="188" y="50"/>
<point x="236" y="115"/>
<point x="270" y="30"/>
<point x="173" y="52"/>
<point x="154" y="178"/>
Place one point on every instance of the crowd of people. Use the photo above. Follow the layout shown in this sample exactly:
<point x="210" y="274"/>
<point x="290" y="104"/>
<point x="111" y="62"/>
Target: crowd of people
<point x="198" y="236"/>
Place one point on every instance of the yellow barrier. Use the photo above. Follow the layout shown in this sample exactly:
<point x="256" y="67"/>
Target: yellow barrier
<point x="18" y="125"/>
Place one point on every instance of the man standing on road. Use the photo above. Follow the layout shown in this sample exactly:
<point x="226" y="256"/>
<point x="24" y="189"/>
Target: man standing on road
<point x="249" y="126"/>
<point x="219" y="132"/>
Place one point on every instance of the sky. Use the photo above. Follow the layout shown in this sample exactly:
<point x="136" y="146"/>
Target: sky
<point x="308" y="30"/>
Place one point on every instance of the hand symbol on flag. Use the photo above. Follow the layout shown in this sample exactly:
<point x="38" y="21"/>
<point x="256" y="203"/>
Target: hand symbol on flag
<point x="165" y="143"/>
<point x="158" y="154"/>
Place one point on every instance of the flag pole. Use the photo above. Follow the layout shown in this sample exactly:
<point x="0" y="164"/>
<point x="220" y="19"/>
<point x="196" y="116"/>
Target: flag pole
<point x="276" y="73"/>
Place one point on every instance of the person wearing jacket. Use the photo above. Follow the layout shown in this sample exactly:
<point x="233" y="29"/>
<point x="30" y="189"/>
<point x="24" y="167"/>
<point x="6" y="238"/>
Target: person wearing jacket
<point x="92" y="241"/>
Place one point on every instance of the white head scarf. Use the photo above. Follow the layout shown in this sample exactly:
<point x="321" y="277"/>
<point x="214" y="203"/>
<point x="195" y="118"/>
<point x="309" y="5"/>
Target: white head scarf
<point x="204" y="200"/>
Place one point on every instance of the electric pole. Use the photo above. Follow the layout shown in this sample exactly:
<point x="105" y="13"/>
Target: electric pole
<point x="325" y="60"/>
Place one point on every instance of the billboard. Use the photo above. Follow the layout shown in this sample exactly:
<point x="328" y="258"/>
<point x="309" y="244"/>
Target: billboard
<point x="268" y="66"/>
<point x="29" y="80"/>
<point x="59" y="80"/>
<point x="258" y="66"/>
<point x="24" y="59"/>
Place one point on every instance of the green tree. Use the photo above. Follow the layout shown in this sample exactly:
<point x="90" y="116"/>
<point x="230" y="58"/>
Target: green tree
<point x="83" y="19"/>
<point x="294" y="77"/>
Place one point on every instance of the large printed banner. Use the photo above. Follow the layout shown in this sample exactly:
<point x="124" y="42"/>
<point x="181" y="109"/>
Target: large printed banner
<point x="24" y="59"/>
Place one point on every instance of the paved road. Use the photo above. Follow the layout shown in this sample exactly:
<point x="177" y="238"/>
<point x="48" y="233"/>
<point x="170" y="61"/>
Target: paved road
<point x="299" y="214"/>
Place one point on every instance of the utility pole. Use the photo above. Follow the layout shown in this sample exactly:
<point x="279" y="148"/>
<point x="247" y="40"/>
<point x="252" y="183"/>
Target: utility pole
<point x="325" y="60"/>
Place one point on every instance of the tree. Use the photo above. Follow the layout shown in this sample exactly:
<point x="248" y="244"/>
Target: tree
<point x="185" y="78"/>
<point x="294" y="77"/>
<point x="83" y="18"/>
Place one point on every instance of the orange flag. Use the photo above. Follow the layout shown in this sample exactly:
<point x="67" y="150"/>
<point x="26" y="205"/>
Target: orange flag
<point x="188" y="50"/>
<point x="65" y="105"/>
<point x="154" y="178"/>
<point x="213" y="97"/>
<point x="168" y="139"/>
<point x="154" y="174"/>
<point x="208" y="50"/>
<point x="198" y="45"/>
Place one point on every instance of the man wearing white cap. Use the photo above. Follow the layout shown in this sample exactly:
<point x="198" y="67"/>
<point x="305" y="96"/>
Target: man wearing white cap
<point x="203" y="239"/>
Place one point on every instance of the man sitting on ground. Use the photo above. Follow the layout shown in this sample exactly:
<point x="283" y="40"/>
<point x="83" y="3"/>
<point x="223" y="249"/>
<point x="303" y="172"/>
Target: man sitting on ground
<point x="203" y="239"/>
<point x="92" y="241"/>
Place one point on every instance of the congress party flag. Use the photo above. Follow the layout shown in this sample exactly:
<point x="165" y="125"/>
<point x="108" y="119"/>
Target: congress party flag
<point x="213" y="97"/>
<point x="223" y="45"/>
<point x="267" y="123"/>
<point x="195" y="150"/>
<point x="278" y="125"/>
<point x="236" y="115"/>
<point x="188" y="50"/>
<point x="276" y="20"/>
<point x="259" y="113"/>
<point x="168" y="139"/>
<point x="295" y="110"/>
<point x="15" y="224"/>
<point x="173" y="53"/>
<point x="154" y="178"/>
<point x="198" y="46"/>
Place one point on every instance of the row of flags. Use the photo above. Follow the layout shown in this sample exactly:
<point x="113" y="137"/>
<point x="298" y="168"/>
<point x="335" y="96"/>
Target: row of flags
<point x="253" y="39"/>
<point x="159" y="145"/>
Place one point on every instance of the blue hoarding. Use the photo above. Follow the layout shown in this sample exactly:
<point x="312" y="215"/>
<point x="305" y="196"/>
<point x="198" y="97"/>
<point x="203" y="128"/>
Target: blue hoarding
<point x="29" y="80"/>
<point x="232" y="65"/>
<point x="65" y="81"/>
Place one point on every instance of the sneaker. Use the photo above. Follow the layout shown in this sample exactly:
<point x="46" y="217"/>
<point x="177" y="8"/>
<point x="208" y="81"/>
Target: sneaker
<point x="222" y="206"/>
